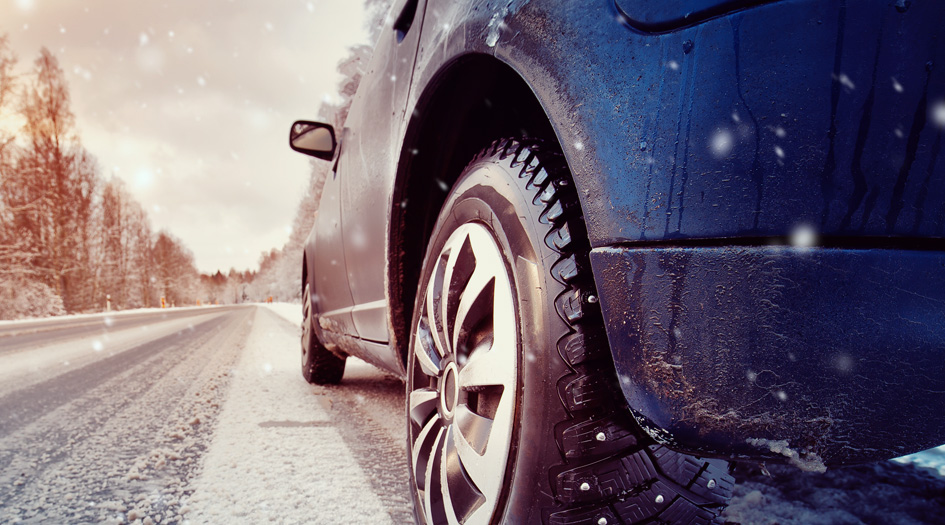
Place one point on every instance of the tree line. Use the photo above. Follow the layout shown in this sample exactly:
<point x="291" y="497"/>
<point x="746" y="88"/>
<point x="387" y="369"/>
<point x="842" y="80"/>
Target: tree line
<point x="70" y="240"/>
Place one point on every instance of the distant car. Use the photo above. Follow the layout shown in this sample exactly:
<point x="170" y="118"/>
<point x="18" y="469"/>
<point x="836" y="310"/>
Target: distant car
<point x="612" y="246"/>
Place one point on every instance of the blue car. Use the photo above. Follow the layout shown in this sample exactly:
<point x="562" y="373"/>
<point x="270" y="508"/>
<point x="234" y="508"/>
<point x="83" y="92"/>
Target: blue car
<point x="615" y="246"/>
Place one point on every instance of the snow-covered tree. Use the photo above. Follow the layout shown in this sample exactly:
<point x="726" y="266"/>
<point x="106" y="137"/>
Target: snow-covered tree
<point x="67" y="239"/>
<point x="49" y="188"/>
<point x="175" y="276"/>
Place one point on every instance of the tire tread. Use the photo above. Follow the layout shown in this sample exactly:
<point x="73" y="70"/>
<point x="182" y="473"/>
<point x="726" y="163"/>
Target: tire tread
<point x="625" y="477"/>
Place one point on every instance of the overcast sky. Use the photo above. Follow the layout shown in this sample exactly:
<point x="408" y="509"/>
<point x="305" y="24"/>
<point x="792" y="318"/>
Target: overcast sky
<point x="190" y="103"/>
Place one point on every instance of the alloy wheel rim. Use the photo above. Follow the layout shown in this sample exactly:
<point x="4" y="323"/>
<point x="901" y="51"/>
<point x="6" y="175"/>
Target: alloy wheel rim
<point x="464" y="379"/>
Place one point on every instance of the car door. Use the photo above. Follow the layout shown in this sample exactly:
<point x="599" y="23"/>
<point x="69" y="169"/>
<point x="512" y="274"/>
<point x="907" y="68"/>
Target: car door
<point x="327" y="267"/>
<point x="373" y="134"/>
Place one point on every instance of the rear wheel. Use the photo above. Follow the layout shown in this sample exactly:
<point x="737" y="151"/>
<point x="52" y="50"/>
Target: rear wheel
<point x="514" y="414"/>
<point x="319" y="365"/>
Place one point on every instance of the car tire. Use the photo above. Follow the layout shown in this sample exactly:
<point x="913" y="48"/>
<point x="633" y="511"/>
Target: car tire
<point x="514" y="414"/>
<point x="319" y="365"/>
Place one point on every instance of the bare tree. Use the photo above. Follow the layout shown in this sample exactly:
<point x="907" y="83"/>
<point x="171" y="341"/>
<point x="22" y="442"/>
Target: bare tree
<point x="123" y="255"/>
<point x="50" y="192"/>
<point x="7" y="89"/>
<point x="174" y="271"/>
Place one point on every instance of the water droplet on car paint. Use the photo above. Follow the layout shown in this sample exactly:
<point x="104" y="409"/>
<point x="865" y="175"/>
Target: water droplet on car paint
<point x="896" y="85"/>
<point x="601" y="436"/>
<point x="585" y="487"/>
<point x="845" y="81"/>
<point x="843" y="363"/>
<point x="938" y="114"/>
<point x="722" y="143"/>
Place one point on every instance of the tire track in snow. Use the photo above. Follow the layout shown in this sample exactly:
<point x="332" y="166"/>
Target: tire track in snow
<point x="124" y="448"/>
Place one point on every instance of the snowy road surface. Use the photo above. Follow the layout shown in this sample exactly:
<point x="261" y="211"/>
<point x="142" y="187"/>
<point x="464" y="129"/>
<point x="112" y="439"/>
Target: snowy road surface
<point x="201" y="416"/>
<point x="194" y="416"/>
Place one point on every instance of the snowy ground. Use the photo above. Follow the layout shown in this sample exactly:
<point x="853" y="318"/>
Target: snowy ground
<point x="276" y="454"/>
<point x="24" y="323"/>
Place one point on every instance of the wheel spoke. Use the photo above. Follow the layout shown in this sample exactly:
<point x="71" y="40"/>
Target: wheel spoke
<point x="433" y="495"/>
<point x="475" y="303"/>
<point x="427" y="357"/>
<point x="475" y="428"/>
<point x="487" y="471"/>
<point x="489" y="367"/>
<point x="422" y="403"/>
<point x="434" y="307"/>
<point x="459" y="270"/>
<point x="461" y="496"/>
<point x="423" y="447"/>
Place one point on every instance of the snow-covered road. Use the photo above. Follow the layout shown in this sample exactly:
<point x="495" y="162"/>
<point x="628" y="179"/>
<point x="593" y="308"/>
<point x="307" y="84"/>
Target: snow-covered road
<point x="200" y="418"/>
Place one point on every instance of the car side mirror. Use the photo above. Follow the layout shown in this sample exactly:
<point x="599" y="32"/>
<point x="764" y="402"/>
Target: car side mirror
<point x="313" y="138"/>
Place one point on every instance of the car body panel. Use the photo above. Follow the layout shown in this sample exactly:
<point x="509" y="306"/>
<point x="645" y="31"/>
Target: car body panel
<point x="673" y="14"/>
<point x="360" y="185"/>
<point x="738" y="129"/>
<point x="374" y="128"/>
<point x="735" y="348"/>
<point x="827" y="135"/>
<point x="325" y="254"/>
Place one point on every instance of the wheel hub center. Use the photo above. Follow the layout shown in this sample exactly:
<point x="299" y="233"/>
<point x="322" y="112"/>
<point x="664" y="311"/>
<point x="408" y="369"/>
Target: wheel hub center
<point x="449" y="390"/>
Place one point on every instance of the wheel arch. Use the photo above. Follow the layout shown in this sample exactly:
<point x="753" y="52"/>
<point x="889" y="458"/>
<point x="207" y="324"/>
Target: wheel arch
<point x="304" y="272"/>
<point x="469" y="102"/>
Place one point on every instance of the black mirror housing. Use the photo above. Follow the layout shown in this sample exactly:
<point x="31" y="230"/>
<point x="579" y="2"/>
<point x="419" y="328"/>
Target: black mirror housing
<point x="315" y="139"/>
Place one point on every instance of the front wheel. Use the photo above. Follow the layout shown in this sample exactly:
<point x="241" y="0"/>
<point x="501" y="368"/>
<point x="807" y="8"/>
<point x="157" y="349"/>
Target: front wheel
<point x="513" y="412"/>
<point x="319" y="365"/>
